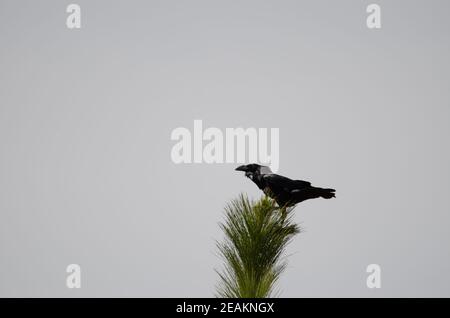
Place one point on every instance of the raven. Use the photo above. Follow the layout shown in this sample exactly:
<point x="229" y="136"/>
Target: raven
<point x="285" y="191"/>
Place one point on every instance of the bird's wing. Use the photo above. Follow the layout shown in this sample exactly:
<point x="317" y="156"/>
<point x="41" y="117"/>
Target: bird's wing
<point x="279" y="182"/>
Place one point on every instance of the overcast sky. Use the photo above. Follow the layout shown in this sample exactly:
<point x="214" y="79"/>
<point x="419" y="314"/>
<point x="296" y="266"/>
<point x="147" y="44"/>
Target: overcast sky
<point x="86" y="116"/>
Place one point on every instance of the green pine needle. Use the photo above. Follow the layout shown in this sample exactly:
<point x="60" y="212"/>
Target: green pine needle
<point x="256" y="235"/>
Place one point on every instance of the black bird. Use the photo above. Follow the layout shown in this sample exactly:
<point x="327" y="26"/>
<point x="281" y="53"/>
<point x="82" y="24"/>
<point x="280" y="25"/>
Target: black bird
<point x="285" y="191"/>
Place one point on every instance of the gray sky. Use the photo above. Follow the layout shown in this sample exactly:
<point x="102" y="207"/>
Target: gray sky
<point x="86" y="115"/>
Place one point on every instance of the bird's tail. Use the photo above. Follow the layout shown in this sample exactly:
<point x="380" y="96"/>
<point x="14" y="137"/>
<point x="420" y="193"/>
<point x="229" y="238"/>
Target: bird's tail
<point x="327" y="193"/>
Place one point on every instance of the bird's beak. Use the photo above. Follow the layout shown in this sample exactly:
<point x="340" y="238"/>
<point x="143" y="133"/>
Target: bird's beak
<point x="241" y="168"/>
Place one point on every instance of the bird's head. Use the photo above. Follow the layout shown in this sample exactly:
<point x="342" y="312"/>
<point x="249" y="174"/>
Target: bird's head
<point x="253" y="169"/>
